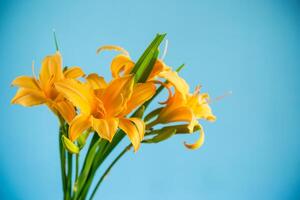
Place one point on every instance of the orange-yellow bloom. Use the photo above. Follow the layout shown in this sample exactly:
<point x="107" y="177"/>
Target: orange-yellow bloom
<point x="187" y="108"/>
<point x="104" y="106"/>
<point x="35" y="91"/>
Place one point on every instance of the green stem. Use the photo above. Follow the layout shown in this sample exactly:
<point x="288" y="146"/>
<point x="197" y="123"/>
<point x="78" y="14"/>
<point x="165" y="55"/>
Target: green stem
<point x="69" y="183"/>
<point x="151" y="124"/>
<point x="77" y="167"/>
<point x="62" y="159"/>
<point x="127" y="148"/>
<point x="86" y="174"/>
<point x="55" y="41"/>
<point x="97" y="158"/>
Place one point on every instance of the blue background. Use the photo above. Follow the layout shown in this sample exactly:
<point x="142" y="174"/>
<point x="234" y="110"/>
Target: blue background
<point x="248" y="47"/>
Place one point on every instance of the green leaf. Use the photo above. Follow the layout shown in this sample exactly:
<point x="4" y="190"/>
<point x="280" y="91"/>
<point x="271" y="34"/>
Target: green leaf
<point x="180" y="68"/>
<point x="140" y="69"/>
<point x="69" y="145"/>
<point x="152" y="114"/>
<point x="82" y="139"/>
<point x="182" y="129"/>
<point x="149" y="66"/>
<point x="163" y="134"/>
<point x="140" y="112"/>
<point x="96" y="149"/>
<point x="55" y="41"/>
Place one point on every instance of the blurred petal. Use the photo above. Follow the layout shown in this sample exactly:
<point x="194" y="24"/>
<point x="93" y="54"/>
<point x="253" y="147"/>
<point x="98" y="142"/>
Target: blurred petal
<point x="113" y="48"/>
<point x="158" y="67"/>
<point x="178" y="82"/>
<point x="73" y="72"/>
<point x="131" y="131"/>
<point x="199" y="142"/>
<point x="182" y="113"/>
<point x="28" y="97"/>
<point x="117" y="94"/>
<point x="141" y="93"/>
<point x="26" y="82"/>
<point x="121" y="64"/>
<point x="51" y="67"/>
<point x="79" y="94"/>
<point x="96" y="81"/>
<point x="140" y="125"/>
<point x="106" y="128"/>
<point x="79" y="124"/>
<point x="66" y="109"/>
<point x="203" y="111"/>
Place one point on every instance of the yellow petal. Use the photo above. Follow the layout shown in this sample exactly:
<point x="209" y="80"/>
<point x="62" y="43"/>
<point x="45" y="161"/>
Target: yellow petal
<point x="26" y="82"/>
<point x="131" y="131"/>
<point x="106" y="128"/>
<point x="117" y="94"/>
<point x="112" y="48"/>
<point x="158" y="67"/>
<point x="141" y="93"/>
<point x="194" y="123"/>
<point x="66" y="109"/>
<point x="51" y="68"/>
<point x="96" y="81"/>
<point x="140" y="125"/>
<point x="179" y="114"/>
<point x="79" y="124"/>
<point x="199" y="142"/>
<point x="28" y="97"/>
<point x="204" y="112"/>
<point x="178" y="82"/>
<point x="79" y="94"/>
<point x="201" y="109"/>
<point x="73" y="72"/>
<point x="69" y="145"/>
<point x="121" y="64"/>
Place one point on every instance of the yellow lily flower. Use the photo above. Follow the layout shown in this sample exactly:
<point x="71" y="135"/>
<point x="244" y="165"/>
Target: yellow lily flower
<point x="189" y="108"/>
<point x="103" y="106"/>
<point x="35" y="91"/>
<point x="180" y="107"/>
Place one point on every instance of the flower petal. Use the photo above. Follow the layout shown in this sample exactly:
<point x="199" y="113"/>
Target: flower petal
<point x="179" y="114"/>
<point x="79" y="124"/>
<point x="73" y="72"/>
<point x="121" y="64"/>
<point x="79" y="94"/>
<point x="140" y="125"/>
<point x="66" y="109"/>
<point x="26" y="82"/>
<point x="158" y="67"/>
<point x="199" y="142"/>
<point x="178" y="82"/>
<point x="141" y="93"/>
<point x="28" y="97"/>
<point x="51" y="68"/>
<point x="106" y="128"/>
<point x="131" y="131"/>
<point x="96" y="81"/>
<point x="117" y="94"/>
<point x="112" y="48"/>
<point x="203" y="111"/>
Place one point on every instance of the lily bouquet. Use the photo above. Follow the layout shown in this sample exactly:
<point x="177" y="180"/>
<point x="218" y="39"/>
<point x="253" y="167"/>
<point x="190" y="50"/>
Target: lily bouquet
<point x="107" y="111"/>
